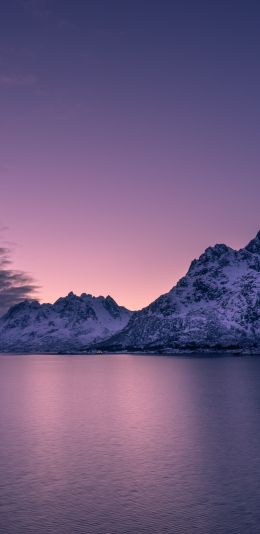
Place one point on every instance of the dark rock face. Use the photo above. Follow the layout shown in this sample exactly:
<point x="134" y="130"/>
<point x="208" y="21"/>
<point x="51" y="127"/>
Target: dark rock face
<point x="254" y="245"/>
<point x="216" y="306"/>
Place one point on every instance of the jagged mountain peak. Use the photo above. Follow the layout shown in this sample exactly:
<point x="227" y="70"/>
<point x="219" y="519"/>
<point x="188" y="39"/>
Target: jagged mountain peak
<point x="110" y="299"/>
<point x="211" y="255"/>
<point x="72" y="322"/>
<point x="254" y="245"/>
<point x="215" y="306"/>
<point x="216" y="250"/>
<point x="71" y="296"/>
<point x="21" y="307"/>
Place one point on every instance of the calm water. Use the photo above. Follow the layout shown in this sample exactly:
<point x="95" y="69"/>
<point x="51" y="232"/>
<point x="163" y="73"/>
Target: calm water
<point x="129" y="445"/>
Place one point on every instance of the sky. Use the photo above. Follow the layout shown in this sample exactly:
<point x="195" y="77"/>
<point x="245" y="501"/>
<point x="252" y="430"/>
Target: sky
<point x="129" y="139"/>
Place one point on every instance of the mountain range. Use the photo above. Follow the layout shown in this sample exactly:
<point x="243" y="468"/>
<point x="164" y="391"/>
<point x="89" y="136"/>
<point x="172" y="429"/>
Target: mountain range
<point x="214" y="307"/>
<point x="69" y="324"/>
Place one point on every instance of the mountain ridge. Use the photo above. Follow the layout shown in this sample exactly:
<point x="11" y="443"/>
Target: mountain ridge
<point x="214" y="307"/>
<point x="68" y="324"/>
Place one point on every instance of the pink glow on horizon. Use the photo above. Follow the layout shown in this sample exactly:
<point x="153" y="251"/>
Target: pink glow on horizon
<point x="128" y="141"/>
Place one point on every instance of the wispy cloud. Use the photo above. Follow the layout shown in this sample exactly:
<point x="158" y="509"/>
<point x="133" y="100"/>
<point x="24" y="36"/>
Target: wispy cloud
<point x="15" y="286"/>
<point x="14" y="80"/>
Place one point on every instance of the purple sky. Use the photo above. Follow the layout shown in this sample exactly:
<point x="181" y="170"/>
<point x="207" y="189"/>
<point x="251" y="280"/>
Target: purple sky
<point x="129" y="139"/>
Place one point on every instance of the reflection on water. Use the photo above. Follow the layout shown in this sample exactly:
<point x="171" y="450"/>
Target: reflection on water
<point x="129" y="445"/>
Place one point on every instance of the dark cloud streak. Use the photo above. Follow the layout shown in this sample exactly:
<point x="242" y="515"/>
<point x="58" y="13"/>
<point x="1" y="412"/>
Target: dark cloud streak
<point x="15" y="286"/>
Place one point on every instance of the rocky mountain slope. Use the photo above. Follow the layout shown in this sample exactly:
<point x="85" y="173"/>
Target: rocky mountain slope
<point x="70" y="323"/>
<point x="216" y="306"/>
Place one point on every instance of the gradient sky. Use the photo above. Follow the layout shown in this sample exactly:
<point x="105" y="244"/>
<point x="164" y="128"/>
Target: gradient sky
<point x="129" y="139"/>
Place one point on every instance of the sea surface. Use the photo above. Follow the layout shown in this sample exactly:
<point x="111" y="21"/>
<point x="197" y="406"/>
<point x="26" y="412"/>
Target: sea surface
<point x="129" y="445"/>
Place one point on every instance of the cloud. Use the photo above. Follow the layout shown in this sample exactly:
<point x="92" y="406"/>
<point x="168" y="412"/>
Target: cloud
<point x="17" y="80"/>
<point x="15" y="286"/>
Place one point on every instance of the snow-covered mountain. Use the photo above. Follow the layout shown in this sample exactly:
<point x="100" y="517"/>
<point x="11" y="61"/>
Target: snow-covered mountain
<point x="215" y="306"/>
<point x="71" y="323"/>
